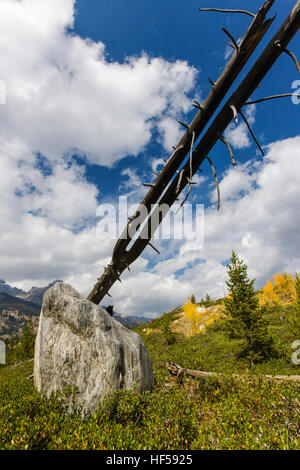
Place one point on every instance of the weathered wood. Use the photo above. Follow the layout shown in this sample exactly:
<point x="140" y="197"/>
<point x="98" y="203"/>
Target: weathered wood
<point x="165" y="188"/>
<point x="120" y="259"/>
<point x="221" y="10"/>
<point x="251" y="82"/>
<point x="233" y="68"/>
<point x="178" y="371"/>
<point x="274" y="97"/>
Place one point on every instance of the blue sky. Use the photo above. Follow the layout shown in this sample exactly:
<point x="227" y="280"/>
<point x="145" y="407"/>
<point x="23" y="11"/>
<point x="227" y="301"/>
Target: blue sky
<point x="93" y="93"/>
<point x="176" y="30"/>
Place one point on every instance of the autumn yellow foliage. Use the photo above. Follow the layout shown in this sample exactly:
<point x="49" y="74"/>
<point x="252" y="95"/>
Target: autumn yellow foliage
<point x="281" y="291"/>
<point x="198" y="319"/>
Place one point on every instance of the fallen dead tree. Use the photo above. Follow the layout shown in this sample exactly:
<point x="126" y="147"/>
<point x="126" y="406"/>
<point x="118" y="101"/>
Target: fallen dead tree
<point x="177" y="373"/>
<point x="189" y="155"/>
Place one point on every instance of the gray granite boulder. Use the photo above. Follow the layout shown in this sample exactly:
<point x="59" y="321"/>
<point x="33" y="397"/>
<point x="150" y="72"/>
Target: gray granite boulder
<point x="79" y="343"/>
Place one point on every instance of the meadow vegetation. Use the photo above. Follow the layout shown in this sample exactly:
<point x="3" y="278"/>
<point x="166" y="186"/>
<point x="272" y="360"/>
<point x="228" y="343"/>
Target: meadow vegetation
<point x="226" y="412"/>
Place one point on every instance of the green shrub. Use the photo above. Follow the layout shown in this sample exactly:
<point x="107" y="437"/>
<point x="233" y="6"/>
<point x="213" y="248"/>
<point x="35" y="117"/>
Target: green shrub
<point x="21" y="347"/>
<point x="227" y="412"/>
<point x="224" y="413"/>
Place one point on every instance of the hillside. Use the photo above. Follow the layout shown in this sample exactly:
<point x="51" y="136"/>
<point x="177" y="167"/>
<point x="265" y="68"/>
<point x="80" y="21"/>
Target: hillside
<point x="229" y="412"/>
<point x="15" y="313"/>
<point x="214" y="351"/>
<point x="7" y="289"/>
<point x="131" y="321"/>
<point x="17" y="307"/>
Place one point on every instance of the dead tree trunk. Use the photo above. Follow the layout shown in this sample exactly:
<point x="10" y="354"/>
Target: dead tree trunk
<point x="179" y="372"/>
<point x="173" y="179"/>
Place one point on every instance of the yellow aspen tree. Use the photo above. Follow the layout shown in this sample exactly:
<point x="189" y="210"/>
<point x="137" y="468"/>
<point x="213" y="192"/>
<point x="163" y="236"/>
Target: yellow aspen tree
<point x="268" y="296"/>
<point x="284" y="287"/>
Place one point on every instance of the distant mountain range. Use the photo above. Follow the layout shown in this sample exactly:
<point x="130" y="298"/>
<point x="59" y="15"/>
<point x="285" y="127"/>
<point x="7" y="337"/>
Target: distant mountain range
<point x="17" y="307"/>
<point x="15" y="313"/>
<point x="35" y="294"/>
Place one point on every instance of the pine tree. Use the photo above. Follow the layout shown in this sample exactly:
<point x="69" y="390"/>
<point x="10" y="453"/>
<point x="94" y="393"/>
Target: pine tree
<point x="193" y="299"/>
<point x="245" y="318"/>
<point x="25" y="346"/>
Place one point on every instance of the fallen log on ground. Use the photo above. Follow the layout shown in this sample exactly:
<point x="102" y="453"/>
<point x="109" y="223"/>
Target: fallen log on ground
<point x="178" y="373"/>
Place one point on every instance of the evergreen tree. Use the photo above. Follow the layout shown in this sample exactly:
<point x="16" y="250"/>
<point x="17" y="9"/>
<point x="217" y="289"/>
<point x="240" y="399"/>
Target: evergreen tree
<point x="245" y="318"/>
<point x="22" y="347"/>
<point x="193" y="299"/>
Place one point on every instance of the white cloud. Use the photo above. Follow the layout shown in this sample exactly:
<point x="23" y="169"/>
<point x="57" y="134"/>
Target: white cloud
<point x="237" y="181"/>
<point x="262" y="225"/>
<point x="170" y="131"/>
<point x="259" y="219"/>
<point x="62" y="93"/>
<point x="157" y="164"/>
<point x="238" y="134"/>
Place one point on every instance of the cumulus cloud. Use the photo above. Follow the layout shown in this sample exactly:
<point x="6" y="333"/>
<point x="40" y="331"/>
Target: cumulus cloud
<point x="63" y="95"/>
<point x="238" y="134"/>
<point x="170" y="132"/>
<point x="258" y="219"/>
<point x="260" y="223"/>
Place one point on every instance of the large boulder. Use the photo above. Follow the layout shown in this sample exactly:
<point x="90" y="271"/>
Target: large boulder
<point x="80" y="344"/>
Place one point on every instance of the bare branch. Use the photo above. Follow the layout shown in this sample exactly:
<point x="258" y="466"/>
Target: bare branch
<point x="148" y="185"/>
<point x="225" y="141"/>
<point x="294" y="59"/>
<point x="228" y="11"/>
<point x="212" y="83"/>
<point x="235" y="113"/>
<point x="125" y="261"/>
<point x="185" y="199"/>
<point x="179" y="182"/>
<point x="155" y="249"/>
<point x="191" y="155"/>
<point x="198" y="105"/>
<point x="183" y="124"/>
<point x="216" y="179"/>
<point x="134" y="217"/>
<point x="289" y="53"/>
<point x="232" y="39"/>
<point x="251" y="132"/>
<point x="284" y="95"/>
<point x="190" y="182"/>
<point x="176" y="149"/>
<point x="229" y="44"/>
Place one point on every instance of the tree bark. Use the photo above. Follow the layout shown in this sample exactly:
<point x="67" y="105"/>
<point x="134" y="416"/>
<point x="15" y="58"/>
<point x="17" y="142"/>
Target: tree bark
<point x="178" y="371"/>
